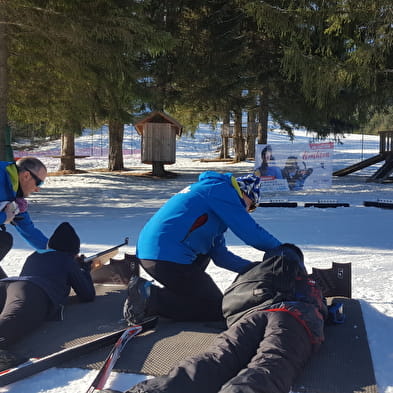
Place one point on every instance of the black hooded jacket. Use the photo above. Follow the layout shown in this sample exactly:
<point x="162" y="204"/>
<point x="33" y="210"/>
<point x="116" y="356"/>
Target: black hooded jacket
<point x="57" y="271"/>
<point x="278" y="283"/>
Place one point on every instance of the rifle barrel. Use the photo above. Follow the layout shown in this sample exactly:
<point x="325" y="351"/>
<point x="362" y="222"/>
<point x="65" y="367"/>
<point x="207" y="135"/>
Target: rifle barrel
<point x="101" y="253"/>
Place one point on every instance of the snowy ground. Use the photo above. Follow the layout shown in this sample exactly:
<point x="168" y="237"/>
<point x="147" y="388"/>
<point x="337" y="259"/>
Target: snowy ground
<point x="106" y="207"/>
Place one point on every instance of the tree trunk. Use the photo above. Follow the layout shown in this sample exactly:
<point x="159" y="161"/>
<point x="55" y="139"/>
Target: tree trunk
<point x="116" y="136"/>
<point x="224" y="153"/>
<point x="251" y="135"/>
<point x="263" y="117"/>
<point x="238" y="140"/>
<point x="158" y="169"/>
<point x="3" y="89"/>
<point x="67" y="160"/>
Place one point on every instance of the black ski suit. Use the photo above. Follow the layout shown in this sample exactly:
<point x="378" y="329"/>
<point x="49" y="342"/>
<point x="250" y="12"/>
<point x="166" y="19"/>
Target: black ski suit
<point x="262" y="351"/>
<point x="40" y="292"/>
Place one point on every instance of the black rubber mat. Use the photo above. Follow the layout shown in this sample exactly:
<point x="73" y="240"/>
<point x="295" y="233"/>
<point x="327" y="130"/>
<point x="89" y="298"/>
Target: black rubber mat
<point x="343" y="364"/>
<point x="81" y="322"/>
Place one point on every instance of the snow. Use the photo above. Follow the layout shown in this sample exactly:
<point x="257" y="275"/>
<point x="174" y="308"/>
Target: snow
<point x="106" y="207"/>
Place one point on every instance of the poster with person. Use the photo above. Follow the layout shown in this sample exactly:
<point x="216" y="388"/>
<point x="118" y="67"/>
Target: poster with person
<point x="294" y="167"/>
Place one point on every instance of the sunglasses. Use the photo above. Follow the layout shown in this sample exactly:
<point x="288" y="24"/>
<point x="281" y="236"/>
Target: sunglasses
<point x="38" y="181"/>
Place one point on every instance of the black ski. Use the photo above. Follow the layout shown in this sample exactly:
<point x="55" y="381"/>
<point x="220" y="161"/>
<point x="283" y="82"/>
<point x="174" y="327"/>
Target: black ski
<point x="132" y="331"/>
<point x="34" y="366"/>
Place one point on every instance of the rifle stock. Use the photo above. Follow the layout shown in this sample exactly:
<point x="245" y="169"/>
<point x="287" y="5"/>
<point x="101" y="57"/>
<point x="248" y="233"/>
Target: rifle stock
<point x="97" y="260"/>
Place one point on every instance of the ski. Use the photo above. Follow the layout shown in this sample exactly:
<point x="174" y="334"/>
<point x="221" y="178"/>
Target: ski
<point x="36" y="365"/>
<point x="103" y="374"/>
<point x="114" y="354"/>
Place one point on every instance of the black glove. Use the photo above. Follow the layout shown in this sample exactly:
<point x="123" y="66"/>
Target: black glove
<point x="80" y="260"/>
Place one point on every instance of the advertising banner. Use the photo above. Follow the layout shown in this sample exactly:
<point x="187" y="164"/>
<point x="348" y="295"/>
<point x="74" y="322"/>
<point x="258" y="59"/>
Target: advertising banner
<point x="294" y="167"/>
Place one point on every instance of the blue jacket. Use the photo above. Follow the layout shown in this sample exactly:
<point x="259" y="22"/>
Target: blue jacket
<point x="9" y="184"/>
<point x="193" y="222"/>
<point x="273" y="171"/>
<point x="56" y="272"/>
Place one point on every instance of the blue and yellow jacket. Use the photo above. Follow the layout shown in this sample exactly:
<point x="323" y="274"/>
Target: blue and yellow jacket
<point x="9" y="184"/>
<point x="193" y="222"/>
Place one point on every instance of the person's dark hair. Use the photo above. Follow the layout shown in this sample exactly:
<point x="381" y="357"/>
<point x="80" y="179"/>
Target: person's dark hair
<point x="265" y="150"/>
<point x="264" y="164"/>
<point x="291" y="162"/>
<point x="29" y="164"/>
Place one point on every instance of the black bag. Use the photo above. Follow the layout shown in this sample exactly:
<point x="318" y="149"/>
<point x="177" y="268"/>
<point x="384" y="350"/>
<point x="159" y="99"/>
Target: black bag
<point x="267" y="282"/>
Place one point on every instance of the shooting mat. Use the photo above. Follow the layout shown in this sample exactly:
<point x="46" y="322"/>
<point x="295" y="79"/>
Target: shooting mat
<point x="343" y="364"/>
<point x="81" y="322"/>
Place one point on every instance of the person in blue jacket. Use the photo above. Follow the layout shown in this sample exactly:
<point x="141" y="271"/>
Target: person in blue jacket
<point x="294" y="175"/>
<point x="41" y="290"/>
<point x="17" y="181"/>
<point x="267" y="167"/>
<point x="177" y="243"/>
<point x="270" y="338"/>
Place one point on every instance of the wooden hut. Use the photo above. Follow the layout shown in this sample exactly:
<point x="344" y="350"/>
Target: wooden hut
<point x="158" y="147"/>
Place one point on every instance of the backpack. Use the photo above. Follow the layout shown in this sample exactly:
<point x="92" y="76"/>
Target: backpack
<point x="264" y="283"/>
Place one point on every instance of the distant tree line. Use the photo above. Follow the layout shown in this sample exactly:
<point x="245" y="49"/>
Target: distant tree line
<point x="66" y="65"/>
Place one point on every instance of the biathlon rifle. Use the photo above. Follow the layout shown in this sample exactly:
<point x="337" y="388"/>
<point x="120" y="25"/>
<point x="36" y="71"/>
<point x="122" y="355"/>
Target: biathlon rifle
<point x="99" y="259"/>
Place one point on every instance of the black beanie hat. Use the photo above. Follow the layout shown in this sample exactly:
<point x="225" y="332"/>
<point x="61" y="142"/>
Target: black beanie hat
<point x="290" y="251"/>
<point x="65" y="239"/>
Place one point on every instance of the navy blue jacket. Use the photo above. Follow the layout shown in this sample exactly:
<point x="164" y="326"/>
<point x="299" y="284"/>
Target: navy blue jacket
<point x="193" y="222"/>
<point x="56" y="272"/>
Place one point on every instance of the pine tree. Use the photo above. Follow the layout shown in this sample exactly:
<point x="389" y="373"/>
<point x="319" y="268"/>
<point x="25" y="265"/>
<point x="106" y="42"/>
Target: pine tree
<point x="72" y="63"/>
<point x="337" y="53"/>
